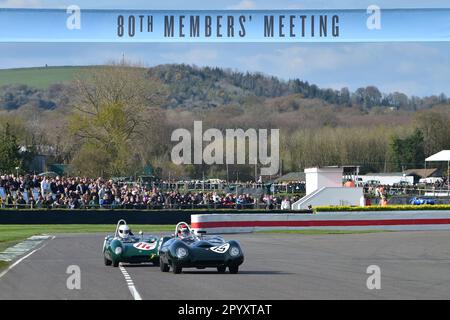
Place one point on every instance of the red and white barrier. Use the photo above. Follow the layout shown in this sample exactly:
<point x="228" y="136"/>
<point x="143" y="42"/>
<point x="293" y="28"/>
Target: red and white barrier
<point x="399" y="220"/>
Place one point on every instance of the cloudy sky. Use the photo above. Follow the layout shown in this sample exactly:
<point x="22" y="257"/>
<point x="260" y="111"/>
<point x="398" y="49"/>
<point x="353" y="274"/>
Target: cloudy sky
<point x="414" y="68"/>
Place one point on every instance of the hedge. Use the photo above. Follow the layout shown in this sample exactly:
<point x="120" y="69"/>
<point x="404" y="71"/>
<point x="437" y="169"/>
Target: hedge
<point x="407" y="207"/>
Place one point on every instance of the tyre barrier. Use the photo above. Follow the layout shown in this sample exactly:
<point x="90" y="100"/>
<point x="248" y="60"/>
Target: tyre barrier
<point x="398" y="220"/>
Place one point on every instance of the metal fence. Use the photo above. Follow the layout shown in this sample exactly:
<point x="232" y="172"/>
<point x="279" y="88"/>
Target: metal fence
<point x="293" y="191"/>
<point x="412" y="191"/>
<point x="213" y="206"/>
<point x="229" y="187"/>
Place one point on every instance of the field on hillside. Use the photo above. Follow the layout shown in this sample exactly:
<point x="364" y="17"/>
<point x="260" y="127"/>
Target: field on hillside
<point x="40" y="78"/>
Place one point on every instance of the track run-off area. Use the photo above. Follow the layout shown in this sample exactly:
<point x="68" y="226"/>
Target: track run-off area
<point x="413" y="265"/>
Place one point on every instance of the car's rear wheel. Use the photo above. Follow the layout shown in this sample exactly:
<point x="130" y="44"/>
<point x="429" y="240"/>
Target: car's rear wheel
<point x="163" y="266"/>
<point x="176" y="268"/>
<point x="221" y="269"/>
<point x="115" y="264"/>
<point x="234" y="269"/>
<point x="107" y="261"/>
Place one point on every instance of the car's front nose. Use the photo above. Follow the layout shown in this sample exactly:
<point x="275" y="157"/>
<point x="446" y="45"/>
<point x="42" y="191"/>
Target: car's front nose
<point x="204" y="257"/>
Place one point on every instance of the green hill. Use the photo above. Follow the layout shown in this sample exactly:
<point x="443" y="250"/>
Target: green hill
<point x="40" y="78"/>
<point x="203" y="88"/>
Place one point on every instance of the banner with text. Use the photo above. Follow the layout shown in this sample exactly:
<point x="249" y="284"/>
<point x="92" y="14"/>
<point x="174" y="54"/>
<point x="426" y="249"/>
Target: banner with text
<point x="373" y="24"/>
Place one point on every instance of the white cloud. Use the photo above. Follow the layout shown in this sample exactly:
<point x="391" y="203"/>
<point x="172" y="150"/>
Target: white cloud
<point x="409" y="87"/>
<point x="27" y="4"/>
<point x="21" y="4"/>
<point x="419" y="69"/>
<point x="244" y="4"/>
<point x="195" y="56"/>
<point x="294" y="61"/>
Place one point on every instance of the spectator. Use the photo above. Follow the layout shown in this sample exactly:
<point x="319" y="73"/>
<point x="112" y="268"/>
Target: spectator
<point x="286" y="204"/>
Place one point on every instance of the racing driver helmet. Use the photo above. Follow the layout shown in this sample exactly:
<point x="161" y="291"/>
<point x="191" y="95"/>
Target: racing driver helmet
<point x="184" y="232"/>
<point x="124" y="231"/>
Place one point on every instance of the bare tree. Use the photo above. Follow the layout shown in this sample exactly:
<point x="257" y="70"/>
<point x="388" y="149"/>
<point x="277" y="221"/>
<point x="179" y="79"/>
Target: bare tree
<point x="117" y="110"/>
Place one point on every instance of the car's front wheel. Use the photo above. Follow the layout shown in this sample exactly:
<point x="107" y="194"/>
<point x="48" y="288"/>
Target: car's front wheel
<point x="115" y="264"/>
<point x="234" y="269"/>
<point x="163" y="266"/>
<point x="221" y="269"/>
<point x="107" y="261"/>
<point x="176" y="268"/>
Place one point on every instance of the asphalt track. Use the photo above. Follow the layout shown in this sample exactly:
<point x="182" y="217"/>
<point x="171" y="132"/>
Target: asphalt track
<point x="414" y="265"/>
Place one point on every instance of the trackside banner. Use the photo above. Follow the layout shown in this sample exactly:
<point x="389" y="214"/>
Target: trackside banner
<point x="374" y="24"/>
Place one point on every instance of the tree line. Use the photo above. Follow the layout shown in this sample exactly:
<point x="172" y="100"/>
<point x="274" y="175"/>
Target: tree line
<point x="193" y="87"/>
<point x="115" y="120"/>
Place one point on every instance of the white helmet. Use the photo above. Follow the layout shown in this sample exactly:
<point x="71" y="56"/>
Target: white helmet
<point x="184" y="232"/>
<point x="124" y="231"/>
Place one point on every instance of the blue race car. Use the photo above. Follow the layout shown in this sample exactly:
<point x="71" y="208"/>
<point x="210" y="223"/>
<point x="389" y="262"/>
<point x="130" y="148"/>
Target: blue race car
<point x="421" y="201"/>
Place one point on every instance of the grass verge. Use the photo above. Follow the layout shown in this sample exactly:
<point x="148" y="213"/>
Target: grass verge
<point x="3" y="264"/>
<point x="40" y="78"/>
<point x="13" y="234"/>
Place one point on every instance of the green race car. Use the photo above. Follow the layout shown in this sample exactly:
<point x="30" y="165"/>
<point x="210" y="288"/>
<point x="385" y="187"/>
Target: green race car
<point x="185" y="249"/>
<point x="123" y="246"/>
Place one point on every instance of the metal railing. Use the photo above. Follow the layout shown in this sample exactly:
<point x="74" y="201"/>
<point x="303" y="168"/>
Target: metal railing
<point x="192" y="206"/>
<point x="223" y="187"/>
<point x="412" y="191"/>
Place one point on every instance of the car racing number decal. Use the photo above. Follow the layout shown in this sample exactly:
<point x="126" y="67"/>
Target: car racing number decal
<point x="220" y="249"/>
<point x="145" y="245"/>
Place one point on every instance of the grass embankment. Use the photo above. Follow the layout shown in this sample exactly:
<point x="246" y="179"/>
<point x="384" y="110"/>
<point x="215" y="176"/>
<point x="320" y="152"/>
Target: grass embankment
<point x="13" y="234"/>
<point x="436" y="207"/>
<point x="40" y="78"/>
<point x="3" y="264"/>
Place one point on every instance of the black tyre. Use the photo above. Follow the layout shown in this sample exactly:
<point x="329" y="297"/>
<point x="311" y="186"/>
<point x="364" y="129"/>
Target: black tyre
<point x="221" y="269"/>
<point x="115" y="264"/>
<point x="176" y="269"/>
<point x="156" y="263"/>
<point x="234" y="269"/>
<point x="163" y="266"/>
<point x="107" y="261"/>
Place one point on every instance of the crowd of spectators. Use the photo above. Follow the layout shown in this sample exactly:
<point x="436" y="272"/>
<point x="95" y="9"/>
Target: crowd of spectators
<point x="380" y="190"/>
<point x="85" y="193"/>
<point x="34" y="191"/>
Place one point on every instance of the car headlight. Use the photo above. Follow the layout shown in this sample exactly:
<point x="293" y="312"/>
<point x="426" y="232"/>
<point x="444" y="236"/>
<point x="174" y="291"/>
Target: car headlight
<point x="118" y="250"/>
<point x="181" y="253"/>
<point x="234" y="251"/>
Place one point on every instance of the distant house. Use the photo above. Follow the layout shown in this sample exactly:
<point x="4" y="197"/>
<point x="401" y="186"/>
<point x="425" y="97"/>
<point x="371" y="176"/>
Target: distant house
<point x="291" y="177"/>
<point x="424" y="173"/>
<point x="42" y="154"/>
<point x="38" y="163"/>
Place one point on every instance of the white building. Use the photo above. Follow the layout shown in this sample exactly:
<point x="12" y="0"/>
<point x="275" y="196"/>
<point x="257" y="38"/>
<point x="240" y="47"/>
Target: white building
<point x="324" y="188"/>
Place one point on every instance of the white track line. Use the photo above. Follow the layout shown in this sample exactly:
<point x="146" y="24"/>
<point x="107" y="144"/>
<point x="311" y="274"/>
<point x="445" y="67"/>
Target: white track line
<point x="23" y="258"/>
<point x="130" y="283"/>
